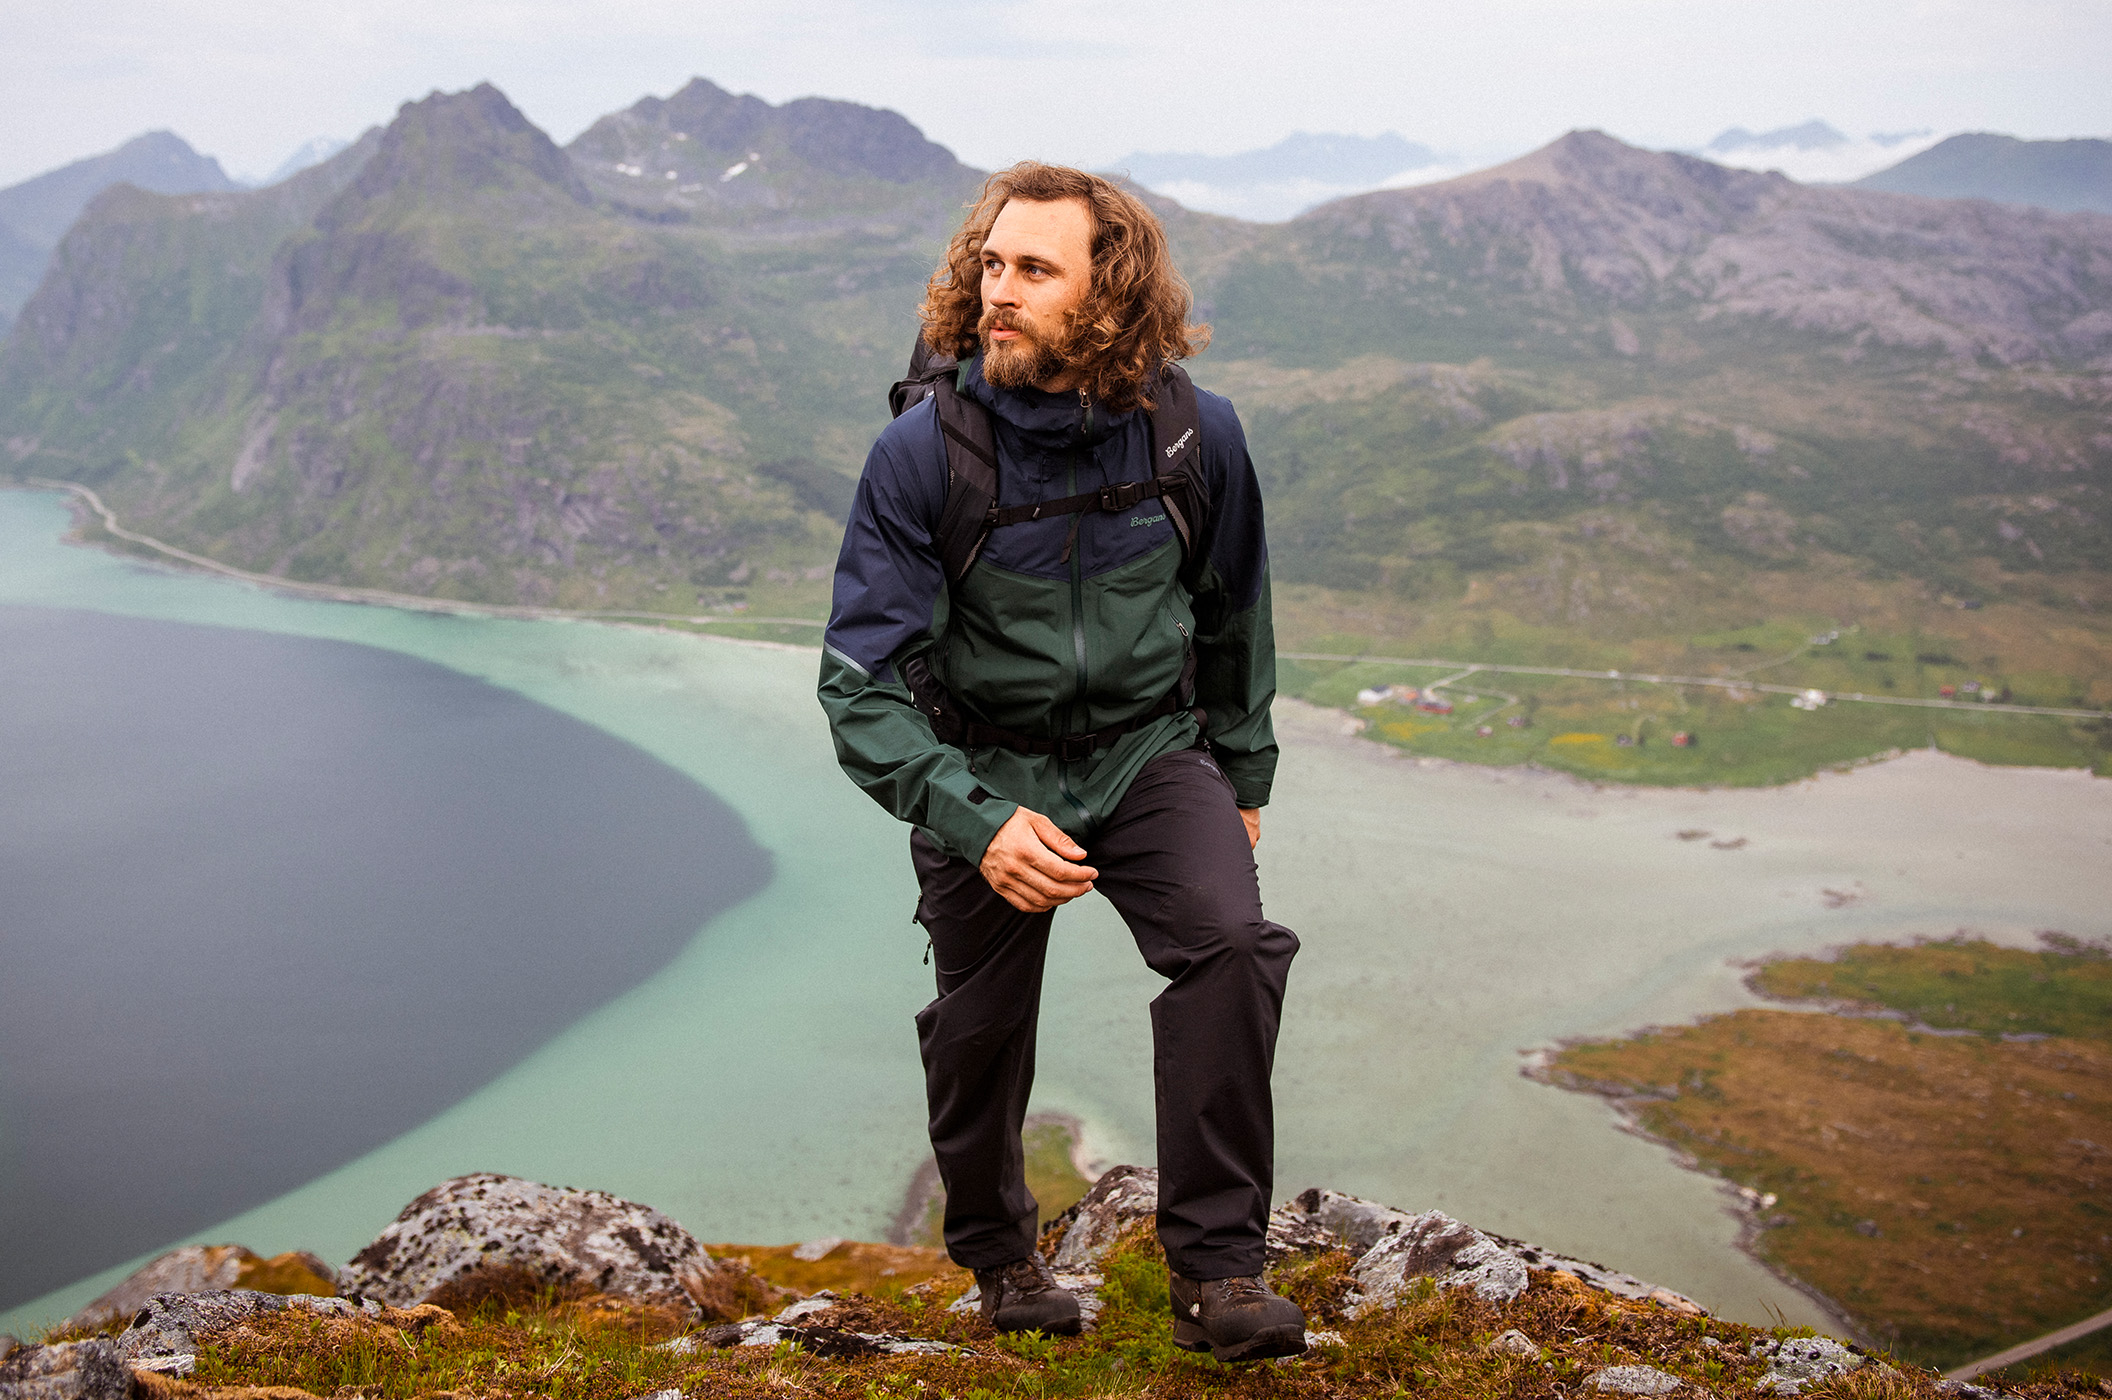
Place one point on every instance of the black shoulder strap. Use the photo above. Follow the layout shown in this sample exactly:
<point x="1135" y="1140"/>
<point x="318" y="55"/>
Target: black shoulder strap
<point x="971" y="455"/>
<point x="971" y="467"/>
<point x="1177" y="460"/>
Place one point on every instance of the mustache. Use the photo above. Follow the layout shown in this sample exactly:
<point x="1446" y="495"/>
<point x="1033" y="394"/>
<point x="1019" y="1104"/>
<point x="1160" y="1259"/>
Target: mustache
<point x="1003" y="321"/>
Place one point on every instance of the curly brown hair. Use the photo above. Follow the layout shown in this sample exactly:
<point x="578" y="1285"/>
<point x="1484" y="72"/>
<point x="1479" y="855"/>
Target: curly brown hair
<point x="1133" y="321"/>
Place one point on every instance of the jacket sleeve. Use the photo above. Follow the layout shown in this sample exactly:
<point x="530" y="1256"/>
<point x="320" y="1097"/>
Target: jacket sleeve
<point x="888" y="593"/>
<point x="1235" y="642"/>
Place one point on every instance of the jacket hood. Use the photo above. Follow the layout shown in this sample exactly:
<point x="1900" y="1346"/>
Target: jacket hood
<point x="1043" y="420"/>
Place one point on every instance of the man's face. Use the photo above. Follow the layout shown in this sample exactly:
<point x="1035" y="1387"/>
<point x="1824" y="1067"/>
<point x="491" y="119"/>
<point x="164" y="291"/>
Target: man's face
<point x="1037" y="268"/>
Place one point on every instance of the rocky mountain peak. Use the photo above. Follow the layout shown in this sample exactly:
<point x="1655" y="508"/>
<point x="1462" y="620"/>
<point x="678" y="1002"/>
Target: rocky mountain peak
<point x="704" y="148"/>
<point x="1595" y="166"/>
<point x="40" y="209"/>
<point x="450" y="144"/>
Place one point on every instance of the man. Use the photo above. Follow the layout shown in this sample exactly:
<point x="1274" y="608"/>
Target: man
<point x="1109" y="689"/>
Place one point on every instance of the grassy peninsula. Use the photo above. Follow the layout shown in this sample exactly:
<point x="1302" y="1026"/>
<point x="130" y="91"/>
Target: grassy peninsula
<point x="1929" y="1147"/>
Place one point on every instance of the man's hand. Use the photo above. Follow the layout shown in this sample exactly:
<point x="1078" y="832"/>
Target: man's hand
<point x="1030" y="863"/>
<point x="1252" y="817"/>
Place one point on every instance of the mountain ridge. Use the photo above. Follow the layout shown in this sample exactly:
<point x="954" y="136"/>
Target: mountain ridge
<point x="1595" y="387"/>
<point x="2067" y="176"/>
<point x="35" y="213"/>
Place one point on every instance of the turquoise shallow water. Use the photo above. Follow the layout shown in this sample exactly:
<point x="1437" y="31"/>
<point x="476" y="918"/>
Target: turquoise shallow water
<point x="764" y="1087"/>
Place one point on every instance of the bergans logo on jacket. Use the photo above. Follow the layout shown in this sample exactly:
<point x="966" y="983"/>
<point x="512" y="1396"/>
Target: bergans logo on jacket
<point x="1066" y="626"/>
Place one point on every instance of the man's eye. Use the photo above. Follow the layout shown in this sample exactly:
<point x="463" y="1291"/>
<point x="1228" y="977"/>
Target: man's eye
<point x="991" y="267"/>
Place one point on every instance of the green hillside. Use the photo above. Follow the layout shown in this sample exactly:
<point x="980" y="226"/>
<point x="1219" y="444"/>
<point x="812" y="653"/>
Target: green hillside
<point x="1600" y="409"/>
<point x="441" y="363"/>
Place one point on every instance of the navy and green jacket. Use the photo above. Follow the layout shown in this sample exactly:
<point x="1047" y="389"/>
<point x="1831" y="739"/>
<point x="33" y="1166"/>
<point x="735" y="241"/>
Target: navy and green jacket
<point x="1038" y="644"/>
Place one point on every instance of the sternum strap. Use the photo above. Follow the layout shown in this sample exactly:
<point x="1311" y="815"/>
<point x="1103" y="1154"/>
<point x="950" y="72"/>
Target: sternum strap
<point x="1120" y="496"/>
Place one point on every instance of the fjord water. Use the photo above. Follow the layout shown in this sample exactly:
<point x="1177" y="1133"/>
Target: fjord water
<point x="763" y="1086"/>
<point x="269" y="902"/>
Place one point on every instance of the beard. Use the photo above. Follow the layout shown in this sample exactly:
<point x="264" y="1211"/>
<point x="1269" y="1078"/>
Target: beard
<point x="1021" y="363"/>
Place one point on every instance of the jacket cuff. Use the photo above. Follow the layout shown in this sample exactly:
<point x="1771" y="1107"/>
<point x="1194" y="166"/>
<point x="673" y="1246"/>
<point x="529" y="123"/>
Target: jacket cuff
<point x="1251" y="775"/>
<point x="964" y="827"/>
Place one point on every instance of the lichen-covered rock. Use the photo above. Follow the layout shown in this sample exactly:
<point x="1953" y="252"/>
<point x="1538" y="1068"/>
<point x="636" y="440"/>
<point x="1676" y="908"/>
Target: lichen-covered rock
<point x="209" y="1268"/>
<point x="819" y="1339"/>
<point x="1317" y="1220"/>
<point x="557" y="1235"/>
<point x="1122" y="1197"/>
<point x="166" y="1333"/>
<point x="1633" y="1380"/>
<point x="1801" y="1361"/>
<point x="1337" y="1219"/>
<point x="87" y="1370"/>
<point x="1437" y="1247"/>
<point x="1512" y="1342"/>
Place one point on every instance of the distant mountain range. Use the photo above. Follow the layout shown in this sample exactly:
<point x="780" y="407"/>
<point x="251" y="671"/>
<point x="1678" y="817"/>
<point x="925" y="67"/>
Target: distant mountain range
<point x="1594" y="388"/>
<point x="35" y="214"/>
<point x="1814" y="152"/>
<point x="313" y="151"/>
<point x="2068" y="175"/>
<point x="1286" y="179"/>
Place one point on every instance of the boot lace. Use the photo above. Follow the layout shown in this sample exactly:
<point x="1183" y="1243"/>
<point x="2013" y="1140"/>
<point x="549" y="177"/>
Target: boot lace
<point x="1028" y="1275"/>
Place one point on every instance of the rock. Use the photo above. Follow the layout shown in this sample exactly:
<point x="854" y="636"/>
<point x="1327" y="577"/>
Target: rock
<point x="209" y="1268"/>
<point x="1966" y="1390"/>
<point x="1514" y="1343"/>
<point x="1314" y="1340"/>
<point x="813" y="1251"/>
<point x="556" y="1235"/>
<point x="1349" y="1220"/>
<point x="1437" y="1247"/>
<point x="1633" y="1380"/>
<point x="1802" y="1361"/>
<point x="1122" y="1197"/>
<point x="85" y="1370"/>
<point x="1293" y="1232"/>
<point x="1316" y="1220"/>
<point x="816" y="1338"/>
<point x="165" y="1334"/>
<point x="9" y="1345"/>
<point x="807" y="1306"/>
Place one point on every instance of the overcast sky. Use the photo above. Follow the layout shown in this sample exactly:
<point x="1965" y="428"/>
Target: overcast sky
<point x="1075" y="80"/>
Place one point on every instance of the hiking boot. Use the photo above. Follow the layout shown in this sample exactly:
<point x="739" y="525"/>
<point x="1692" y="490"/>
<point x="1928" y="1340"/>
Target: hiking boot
<point x="1024" y="1296"/>
<point x="1234" y="1319"/>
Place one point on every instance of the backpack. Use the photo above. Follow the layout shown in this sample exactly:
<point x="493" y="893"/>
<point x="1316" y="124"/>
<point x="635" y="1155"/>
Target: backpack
<point x="971" y="510"/>
<point x="971" y="513"/>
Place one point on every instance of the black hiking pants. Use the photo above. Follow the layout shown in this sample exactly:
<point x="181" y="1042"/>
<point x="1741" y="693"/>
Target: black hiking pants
<point x="1174" y="860"/>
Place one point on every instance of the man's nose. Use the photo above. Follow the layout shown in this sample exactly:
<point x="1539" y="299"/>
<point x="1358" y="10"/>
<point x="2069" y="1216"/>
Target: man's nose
<point x="1001" y="289"/>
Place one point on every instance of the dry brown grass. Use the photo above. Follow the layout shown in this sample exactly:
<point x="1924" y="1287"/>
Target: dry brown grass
<point x="880" y="1270"/>
<point x="1949" y="1193"/>
<point x="1434" y="1344"/>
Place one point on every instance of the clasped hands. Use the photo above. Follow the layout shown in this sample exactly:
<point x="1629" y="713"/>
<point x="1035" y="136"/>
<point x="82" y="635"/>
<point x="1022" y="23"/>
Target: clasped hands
<point x="1035" y="866"/>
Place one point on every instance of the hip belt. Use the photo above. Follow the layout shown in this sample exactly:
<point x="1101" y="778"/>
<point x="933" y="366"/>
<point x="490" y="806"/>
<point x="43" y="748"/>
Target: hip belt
<point x="952" y="724"/>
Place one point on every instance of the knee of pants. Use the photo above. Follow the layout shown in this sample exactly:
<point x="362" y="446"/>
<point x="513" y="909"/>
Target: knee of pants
<point x="1204" y="921"/>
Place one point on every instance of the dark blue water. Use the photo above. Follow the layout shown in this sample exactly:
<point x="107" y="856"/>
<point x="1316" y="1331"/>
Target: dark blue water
<point x="267" y="902"/>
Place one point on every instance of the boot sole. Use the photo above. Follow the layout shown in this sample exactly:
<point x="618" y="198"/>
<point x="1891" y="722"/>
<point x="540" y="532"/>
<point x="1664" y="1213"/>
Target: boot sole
<point x="1065" y="1323"/>
<point x="1268" y="1342"/>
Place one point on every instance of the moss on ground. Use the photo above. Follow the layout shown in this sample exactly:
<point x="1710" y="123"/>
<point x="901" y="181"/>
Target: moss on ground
<point x="1436" y="1343"/>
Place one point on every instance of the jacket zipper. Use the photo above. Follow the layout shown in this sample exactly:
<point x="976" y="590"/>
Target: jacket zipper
<point x="1063" y="769"/>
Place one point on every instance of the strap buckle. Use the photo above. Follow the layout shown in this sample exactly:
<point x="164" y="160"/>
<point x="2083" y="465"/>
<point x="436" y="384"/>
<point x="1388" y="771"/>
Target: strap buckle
<point x="1075" y="748"/>
<point x="1121" y="495"/>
